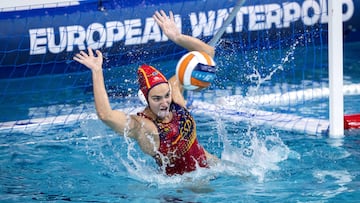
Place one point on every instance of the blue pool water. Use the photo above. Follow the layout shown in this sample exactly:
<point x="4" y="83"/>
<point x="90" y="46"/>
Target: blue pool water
<point x="84" y="161"/>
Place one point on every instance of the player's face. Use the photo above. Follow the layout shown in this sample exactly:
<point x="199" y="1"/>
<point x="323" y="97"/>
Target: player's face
<point x="159" y="100"/>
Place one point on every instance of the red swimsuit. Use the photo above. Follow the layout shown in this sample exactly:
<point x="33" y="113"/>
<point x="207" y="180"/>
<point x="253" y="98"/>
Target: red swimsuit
<point x="179" y="150"/>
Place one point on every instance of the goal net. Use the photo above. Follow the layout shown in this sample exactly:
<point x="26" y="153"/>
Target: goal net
<point x="272" y="59"/>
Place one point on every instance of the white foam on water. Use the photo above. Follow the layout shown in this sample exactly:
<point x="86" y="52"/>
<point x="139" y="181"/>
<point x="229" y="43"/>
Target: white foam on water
<point x="340" y="177"/>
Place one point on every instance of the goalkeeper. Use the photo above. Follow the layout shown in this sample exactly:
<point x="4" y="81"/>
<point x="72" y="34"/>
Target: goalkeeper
<point x="165" y="129"/>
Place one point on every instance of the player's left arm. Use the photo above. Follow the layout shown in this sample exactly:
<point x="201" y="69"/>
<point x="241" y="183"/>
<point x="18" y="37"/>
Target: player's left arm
<point x="168" y="26"/>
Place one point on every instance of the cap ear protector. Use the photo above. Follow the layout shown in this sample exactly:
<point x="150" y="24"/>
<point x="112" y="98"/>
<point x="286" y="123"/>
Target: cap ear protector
<point x="144" y="100"/>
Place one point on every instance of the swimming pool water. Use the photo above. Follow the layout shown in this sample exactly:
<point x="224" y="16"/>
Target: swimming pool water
<point x="86" y="162"/>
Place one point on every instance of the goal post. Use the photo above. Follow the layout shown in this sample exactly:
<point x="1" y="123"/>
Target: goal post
<point x="336" y="97"/>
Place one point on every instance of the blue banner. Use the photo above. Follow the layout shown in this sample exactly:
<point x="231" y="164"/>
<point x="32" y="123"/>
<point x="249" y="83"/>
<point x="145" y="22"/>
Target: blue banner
<point x="38" y="36"/>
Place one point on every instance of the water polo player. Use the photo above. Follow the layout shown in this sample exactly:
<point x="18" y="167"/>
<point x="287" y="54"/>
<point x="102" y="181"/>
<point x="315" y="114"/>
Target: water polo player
<point x="164" y="129"/>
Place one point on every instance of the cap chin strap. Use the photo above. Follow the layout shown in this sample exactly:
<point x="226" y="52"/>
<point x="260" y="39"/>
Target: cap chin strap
<point x="142" y="98"/>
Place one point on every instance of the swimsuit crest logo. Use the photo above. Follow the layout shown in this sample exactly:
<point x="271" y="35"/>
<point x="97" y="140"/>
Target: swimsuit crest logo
<point x="186" y="129"/>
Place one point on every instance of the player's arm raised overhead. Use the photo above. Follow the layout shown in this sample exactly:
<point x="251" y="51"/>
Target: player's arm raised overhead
<point x="168" y="26"/>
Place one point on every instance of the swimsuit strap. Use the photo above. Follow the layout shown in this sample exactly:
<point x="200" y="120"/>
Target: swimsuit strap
<point x="144" y="115"/>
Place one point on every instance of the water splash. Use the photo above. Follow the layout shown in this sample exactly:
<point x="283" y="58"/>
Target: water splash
<point x="247" y="155"/>
<point x="327" y="177"/>
<point x="254" y="155"/>
<point x="257" y="77"/>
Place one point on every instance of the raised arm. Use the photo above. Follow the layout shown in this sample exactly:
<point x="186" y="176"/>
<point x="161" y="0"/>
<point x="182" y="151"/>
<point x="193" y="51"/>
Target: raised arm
<point x="114" y="119"/>
<point x="168" y="26"/>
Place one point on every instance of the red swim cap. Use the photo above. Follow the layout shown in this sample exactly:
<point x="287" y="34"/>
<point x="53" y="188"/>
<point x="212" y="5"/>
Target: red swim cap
<point x="148" y="78"/>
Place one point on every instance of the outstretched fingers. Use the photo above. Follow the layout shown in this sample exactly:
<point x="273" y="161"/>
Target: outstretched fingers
<point x="163" y="14"/>
<point x="99" y="54"/>
<point x="157" y="17"/>
<point x="160" y="16"/>
<point x="80" y="56"/>
<point x="91" y="54"/>
<point x="89" y="59"/>
<point x="171" y="15"/>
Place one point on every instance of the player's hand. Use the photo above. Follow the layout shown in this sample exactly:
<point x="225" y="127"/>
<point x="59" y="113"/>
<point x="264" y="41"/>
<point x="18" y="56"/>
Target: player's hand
<point x="89" y="59"/>
<point x="167" y="24"/>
